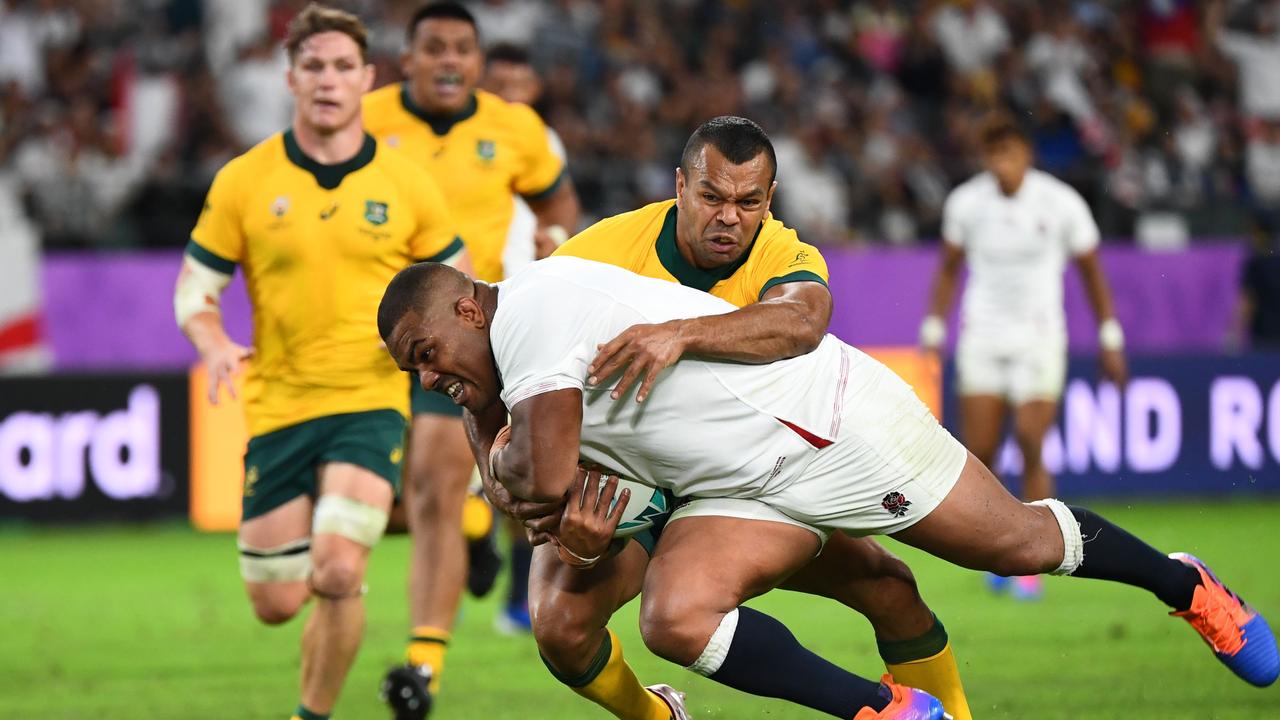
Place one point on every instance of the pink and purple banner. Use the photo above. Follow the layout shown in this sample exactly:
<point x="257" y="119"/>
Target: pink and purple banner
<point x="115" y="311"/>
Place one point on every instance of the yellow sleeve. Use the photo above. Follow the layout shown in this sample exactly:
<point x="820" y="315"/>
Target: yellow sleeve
<point x="218" y="238"/>
<point x="540" y="170"/>
<point x="786" y="259"/>
<point x="436" y="237"/>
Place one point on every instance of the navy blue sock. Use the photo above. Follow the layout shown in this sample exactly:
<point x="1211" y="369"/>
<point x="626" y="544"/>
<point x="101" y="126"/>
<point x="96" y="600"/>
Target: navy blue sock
<point x="1111" y="553"/>
<point x="521" y="556"/>
<point x="766" y="659"/>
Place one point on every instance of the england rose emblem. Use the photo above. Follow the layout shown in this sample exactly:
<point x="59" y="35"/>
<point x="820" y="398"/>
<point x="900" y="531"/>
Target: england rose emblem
<point x="896" y="503"/>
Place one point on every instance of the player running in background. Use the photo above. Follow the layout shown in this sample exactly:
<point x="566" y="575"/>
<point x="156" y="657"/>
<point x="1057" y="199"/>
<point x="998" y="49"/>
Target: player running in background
<point x="484" y="152"/>
<point x="509" y="74"/>
<point x="718" y="237"/>
<point x="831" y="440"/>
<point x="319" y="217"/>
<point x="1017" y="227"/>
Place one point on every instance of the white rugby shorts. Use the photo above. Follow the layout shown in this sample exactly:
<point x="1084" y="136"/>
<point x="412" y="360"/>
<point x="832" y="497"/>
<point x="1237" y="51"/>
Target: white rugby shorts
<point x="890" y="464"/>
<point x="1033" y="372"/>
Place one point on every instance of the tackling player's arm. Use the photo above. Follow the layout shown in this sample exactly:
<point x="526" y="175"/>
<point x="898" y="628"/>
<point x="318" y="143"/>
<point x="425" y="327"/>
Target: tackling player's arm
<point x="789" y="320"/>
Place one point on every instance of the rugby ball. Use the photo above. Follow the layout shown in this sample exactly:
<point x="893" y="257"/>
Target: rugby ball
<point x="647" y="506"/>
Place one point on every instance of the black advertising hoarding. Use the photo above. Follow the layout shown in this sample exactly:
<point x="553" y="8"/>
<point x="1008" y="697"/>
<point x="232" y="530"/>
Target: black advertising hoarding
<point x="93" y="447"/>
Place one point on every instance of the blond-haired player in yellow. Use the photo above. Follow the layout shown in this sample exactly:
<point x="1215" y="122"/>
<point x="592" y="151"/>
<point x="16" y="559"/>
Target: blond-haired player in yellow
<point x="719" y="237"/>
<point x="484" y="152"/>
<point x="319" y="217"/>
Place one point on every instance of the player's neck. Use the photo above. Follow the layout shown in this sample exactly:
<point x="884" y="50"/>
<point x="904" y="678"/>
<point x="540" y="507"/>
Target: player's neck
<point x="487" y="296"/>
<point x="1012" y="188"/>
<point x="332" y="148"/>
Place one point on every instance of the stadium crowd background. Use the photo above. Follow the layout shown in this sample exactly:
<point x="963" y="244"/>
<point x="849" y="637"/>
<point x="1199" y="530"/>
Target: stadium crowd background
<point x="115" y="114"/>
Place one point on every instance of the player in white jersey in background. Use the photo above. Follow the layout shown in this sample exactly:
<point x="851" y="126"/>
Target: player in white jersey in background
<point x="1017" y="228"/>
<point x="824" y="442"/>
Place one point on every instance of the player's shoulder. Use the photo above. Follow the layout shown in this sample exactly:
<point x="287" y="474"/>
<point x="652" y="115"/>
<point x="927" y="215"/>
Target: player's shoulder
<point x="493" y="109"/>
<point x="377" y="105"/>
<point x="254" y="163"/>
<point x="617" y="231"/>
<point x="774" y="234"/>
<point x="1052" y="186"/>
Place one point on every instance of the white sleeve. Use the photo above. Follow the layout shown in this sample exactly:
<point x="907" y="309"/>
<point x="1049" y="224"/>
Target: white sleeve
<point x="543" y="337"/>
<point x="953" y="224"/>
<point x="1080" y="231"/>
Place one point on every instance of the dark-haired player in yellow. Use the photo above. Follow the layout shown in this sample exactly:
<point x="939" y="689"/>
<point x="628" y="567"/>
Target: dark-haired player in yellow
<point x="483" y="152"/>
<point x="319" y="217"/>
<point x="718" y="236"/>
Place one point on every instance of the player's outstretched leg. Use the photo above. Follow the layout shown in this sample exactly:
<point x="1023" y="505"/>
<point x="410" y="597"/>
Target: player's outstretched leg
<point x="980" y="526"/>
<point x="690" y="615"/>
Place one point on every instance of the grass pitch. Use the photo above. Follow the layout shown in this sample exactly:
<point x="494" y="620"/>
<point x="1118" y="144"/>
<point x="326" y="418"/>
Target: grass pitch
<point x="150" y="623"/>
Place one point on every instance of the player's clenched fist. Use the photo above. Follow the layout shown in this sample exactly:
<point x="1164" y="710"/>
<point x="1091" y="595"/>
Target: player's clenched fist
<point x="644" y="350"/>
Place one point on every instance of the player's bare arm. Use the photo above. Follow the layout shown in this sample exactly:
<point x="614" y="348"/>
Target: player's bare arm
<point x="933" y="329"/>
<point x="557" y="217"/>
<point x="196" y="308"/>
<point x="541" y="459"/>
<point x="483" y="431"/>
<point x="789" y="320"/>
<point x="1110" y="334"/>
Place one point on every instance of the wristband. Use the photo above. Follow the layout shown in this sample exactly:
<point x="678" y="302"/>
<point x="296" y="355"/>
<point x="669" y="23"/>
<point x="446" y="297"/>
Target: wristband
<point x="933" y="332"/>
<point x="573" y="559"/>
<point x="1110" y="334"/>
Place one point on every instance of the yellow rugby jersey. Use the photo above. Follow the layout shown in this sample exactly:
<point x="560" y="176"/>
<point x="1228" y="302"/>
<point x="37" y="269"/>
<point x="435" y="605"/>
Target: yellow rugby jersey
<point x="644" y="242"/>
<point x="481" y="158"/>
<point x="318" y="245"/>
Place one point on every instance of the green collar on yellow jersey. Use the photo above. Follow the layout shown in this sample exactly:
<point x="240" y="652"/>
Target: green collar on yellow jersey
<point x="329" y="176"/>
<point x="440" y="124"/>
<point x="685" y="272"/>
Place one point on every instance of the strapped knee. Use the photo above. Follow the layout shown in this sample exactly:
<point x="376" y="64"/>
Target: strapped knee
<point x="1072" y="542"/>
<point x="352" y="519"/>
<point x="289" y="562"/>
<point x="717" y="648"/>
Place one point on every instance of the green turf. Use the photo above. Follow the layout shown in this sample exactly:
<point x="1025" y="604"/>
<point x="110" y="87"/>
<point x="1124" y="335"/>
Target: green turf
<point x="151" y="623"/>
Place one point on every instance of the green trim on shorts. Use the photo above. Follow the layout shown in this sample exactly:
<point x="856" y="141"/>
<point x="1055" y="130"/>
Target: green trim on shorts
<point x="281" y="465"/>
<point x="422" y="402"/>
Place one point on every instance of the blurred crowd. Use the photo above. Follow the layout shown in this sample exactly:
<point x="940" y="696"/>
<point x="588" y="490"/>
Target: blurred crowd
<point x="1165" y="114"/>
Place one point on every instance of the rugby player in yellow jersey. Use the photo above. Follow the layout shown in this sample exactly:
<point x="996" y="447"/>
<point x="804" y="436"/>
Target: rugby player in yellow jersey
<point x="718" y="236"/>
<point x="319" y="217"/>
<point x="484" y="152"/>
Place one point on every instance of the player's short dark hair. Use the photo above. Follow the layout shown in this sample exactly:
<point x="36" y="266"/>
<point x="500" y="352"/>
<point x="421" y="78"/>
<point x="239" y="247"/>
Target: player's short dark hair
<point x="446" y="9"/>
<point x="737" y="138"/>
<point x="315" y="19"/>
<point x="413" y="288"/>
<point x="998" y="128"/>
<point x="508" y="53"/>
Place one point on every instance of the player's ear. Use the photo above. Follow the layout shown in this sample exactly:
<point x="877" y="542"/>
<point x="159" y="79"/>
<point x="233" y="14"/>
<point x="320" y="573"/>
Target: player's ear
<point x="288" y="78"/>
<point x="679" y="187"/>
<point x="370" y="72"/>
<point x="768" y="195"/>
<point x="469" y="311"/>
<point x="406" y="59"/>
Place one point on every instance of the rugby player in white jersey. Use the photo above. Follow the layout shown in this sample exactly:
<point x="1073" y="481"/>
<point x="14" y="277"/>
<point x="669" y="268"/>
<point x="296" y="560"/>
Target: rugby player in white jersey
<point x="1017" y="228"/>
<point x="827" y="441"/>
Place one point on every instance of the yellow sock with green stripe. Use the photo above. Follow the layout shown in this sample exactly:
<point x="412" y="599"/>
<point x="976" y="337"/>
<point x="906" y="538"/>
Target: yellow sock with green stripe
<point x="302" y="713"/>
<point x="610" y="683"/>
<point x="927" y="663"/>
<point x="427" y="646"/>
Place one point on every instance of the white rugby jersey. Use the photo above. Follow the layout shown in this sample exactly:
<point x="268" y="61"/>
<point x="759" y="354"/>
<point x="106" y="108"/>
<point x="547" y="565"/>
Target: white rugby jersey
<point x="1017" y="249"/>
<point x="710" y="428"/>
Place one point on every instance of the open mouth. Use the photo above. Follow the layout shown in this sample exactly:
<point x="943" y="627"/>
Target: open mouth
<point x="454" y="390"/>
<point x="447" y="83"/>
